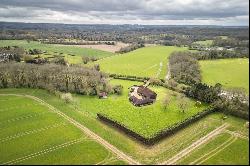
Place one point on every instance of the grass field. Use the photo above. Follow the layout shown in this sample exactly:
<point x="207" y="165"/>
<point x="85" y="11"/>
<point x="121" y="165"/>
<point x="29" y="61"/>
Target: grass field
<point x="148" y="155"/>
<point x="33" y="134"/>
<point x="228" y="72"/>
<point x="71" y="53"/>
<point x="143" y="120"/>
<point x="205" y="42"/>
<point x="147" y="61"/>
<point x="223" y="149"/>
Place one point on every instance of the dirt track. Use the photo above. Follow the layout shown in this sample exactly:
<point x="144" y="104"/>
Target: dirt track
<point x="88" y="132"/>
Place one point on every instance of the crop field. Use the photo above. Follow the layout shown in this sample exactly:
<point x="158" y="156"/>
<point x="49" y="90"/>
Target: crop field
<point x="31" y="133"/>
<point x="228" y="72"/>
<point x="223" y="149"/>
<point x="144" y="62"/>
<point x="146" y="121"/>
<point x="105" y="47"/>
<point x="71" y="53"/>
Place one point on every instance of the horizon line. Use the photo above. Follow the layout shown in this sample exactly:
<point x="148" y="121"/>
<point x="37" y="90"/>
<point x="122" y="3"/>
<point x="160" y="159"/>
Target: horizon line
<point x="125" y="24"/>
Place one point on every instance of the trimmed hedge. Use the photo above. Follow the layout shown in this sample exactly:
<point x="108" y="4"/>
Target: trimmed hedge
<point x="130" y="78"/>
<point x="238" y="113"/>
<point x="143" y="79"/>
<point x="161" y="134"/>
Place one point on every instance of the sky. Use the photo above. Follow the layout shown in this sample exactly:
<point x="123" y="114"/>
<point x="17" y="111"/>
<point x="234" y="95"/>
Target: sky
<point x="146" y="12"/>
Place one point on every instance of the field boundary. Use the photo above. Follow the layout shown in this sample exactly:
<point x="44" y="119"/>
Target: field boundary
<point x="87" y="131"/>
<point x="159" y="135"/>
<point x="195" y="145"/>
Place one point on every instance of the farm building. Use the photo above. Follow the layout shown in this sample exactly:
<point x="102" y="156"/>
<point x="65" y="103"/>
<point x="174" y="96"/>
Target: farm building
<point x="141" y="96"/>
<point x="103" y="95"/>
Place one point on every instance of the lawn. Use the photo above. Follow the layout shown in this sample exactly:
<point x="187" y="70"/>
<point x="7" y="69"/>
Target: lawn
<point x="32" y="134"/>
<point x="144" y="62"/>
<point x="71" y="53"/>
<point x="146" y="121"/>
<point x="228" y="72"/>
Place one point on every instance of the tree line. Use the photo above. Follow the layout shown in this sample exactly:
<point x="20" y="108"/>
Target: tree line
<point x="221" y="54"/>
<point x="52" y="77"/>
<point x="176" y="35"/>
<point x="185" y="69"/>
<point x="130" y="48"/>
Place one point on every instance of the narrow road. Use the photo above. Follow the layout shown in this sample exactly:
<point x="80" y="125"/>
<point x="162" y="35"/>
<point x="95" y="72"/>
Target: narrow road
<point x="88" y="132"/>
<point x="195" y="145"/>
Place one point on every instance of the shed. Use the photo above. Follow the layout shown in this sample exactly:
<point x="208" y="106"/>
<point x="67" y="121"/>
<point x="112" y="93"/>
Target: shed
<point x="103" y="95"/>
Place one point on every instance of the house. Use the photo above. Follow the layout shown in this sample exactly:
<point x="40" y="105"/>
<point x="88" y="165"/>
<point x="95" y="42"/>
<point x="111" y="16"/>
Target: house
<point x="146" y="92"/>
<point x="141" y="96"/>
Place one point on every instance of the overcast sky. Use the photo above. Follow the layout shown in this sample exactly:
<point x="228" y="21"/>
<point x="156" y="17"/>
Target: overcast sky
<point x="163" y="12"/>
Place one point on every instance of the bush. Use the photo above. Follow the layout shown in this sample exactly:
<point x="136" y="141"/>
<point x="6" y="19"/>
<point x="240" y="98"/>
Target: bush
<point x="59" y="61"/>
<point x="155" y="81"/>
<point x="97" y="67"/>
<point x="67" y="97"/>
<point x="27" y="58"/>
<point x="118" y="89"/>
<point x="166" y="101"/>
<point x="172" y="83"/>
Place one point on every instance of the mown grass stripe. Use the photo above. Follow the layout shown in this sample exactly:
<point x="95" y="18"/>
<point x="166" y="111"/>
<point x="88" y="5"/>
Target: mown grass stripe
<point x="18" y="135"/>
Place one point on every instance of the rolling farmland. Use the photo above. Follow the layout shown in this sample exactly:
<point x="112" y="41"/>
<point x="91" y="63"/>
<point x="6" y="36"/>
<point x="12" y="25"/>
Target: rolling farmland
<point x="166" y="149"/>
<point x="71" y="53"/>
<point x="228" y="72"/>
<point x="144" y="62"/>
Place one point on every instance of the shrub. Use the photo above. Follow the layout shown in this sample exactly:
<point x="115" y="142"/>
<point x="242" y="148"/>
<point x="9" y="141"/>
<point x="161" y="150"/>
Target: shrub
<point x="59" y="61"/>
<point x="118" y="89"/>
<point x="166" y="101"/>
<point x="67" y="97"/>
<point x="97" y="67"/>
<point x="27" y="58"/>
<point x="172" y="83"/>
<point x="155" y="81"/>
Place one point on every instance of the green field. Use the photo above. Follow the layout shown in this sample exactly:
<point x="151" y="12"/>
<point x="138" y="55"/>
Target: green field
<point x="155" y="154"/>
<point x="228" y="72"/>
<point x="223" y="149"/>
<point x="204" y="43"/>
<point x="144" y="62"/>
<point x="33" y="134"/>
<point x="71" y="53"/>
<point x="146" y="120"/>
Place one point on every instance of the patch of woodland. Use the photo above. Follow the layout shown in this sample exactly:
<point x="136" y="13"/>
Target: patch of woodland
<point x="53" y="77"/>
